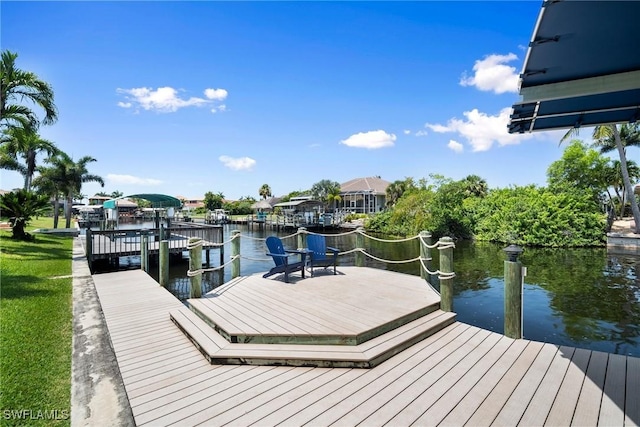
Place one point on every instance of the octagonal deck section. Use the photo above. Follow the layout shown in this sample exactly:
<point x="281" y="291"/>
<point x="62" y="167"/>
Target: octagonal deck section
<point x="346" y="308"/>
<point x="357" y="318"/>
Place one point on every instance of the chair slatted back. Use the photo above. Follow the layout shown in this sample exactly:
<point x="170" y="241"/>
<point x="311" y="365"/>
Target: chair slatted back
<point x="317" y="244"/>
<point x="275" y="246"/>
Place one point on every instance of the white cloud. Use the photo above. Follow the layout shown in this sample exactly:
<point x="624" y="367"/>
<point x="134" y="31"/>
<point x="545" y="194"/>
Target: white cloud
<point x="491" y="74"/>
<point x="406" y="132"/>
<point x="219" y="108"/>
<point x="482" y="130"/>
<point x="437" y="128"/>
<point x="238" y="163"/>
<point x="167" y="99"/>
<point x="455" y="146"/>
<point x="130" y="179"/>
<point x="371" y="140"/>
<point x="216" y="94"/>
<point x="422" y="133"/>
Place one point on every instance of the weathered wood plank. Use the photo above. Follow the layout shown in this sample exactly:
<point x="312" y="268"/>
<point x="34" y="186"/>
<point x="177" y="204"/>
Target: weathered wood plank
<point x="588" y="407"/>
<point x="356" y="393"/>
<point x="311" y="320"/>
<point x="542" y="401"/>
<point x="496" y="399"/>
<point x="407" y="405"/>
<point x="457" y="390"/>
<point x="632" y="408"/>
<point x="214" y="410"/>
<point x="520" y="398"/>
<point x="172" y="408"/>
<point x="194" y="359"/>
<point x="612" y="406"/>
<point x="291" y="400"/>
<point x="225" y="319"/>
<point x="564" y="405"/>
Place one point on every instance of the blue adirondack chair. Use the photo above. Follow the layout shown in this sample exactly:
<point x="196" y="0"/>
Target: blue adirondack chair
<point x="281" y="259"/>
<point x="321" y="255"/>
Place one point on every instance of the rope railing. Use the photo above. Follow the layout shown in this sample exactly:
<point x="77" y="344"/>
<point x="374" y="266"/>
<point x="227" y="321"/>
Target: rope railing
<point x="440" y="245"/>
<point x="192" y="273"/>
<point x="445" y="244"/>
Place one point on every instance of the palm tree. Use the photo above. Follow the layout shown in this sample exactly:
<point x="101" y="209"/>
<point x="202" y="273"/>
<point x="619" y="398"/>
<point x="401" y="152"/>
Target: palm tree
<point x="610" y="133"/>
<point x="333" y="197"/>
<point x="20" y="206"/>
<point x="323" y="188"/>
<point x="16" y="85"/>
<point x="49" y="182"/>
<point x="629" y="136"/>
<point x="69" y="177"/>
<point x="27" y="144"/>
<point x="475" y="186"/>
<point x="265" y="191"/>
<point x="614" y="179"/>
<point x="397" y="188"/>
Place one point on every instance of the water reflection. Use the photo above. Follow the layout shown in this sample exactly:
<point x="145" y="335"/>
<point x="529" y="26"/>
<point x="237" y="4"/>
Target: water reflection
<point x="578" y="297"/>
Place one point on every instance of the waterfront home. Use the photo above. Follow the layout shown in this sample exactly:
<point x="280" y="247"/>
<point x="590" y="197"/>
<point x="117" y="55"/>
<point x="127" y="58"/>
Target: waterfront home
<point x="364" y="195"/>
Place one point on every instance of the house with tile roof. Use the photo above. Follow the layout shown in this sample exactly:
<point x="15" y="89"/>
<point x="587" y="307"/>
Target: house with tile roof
<point x="364" y="195"/>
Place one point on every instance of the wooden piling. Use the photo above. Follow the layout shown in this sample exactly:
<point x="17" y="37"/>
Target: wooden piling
<point x="195" y="263"/>
<point x="513" y="299"/>
<point x="235" y="253"/>
<point x="144" y="252"/>
<point x="359" y="245"/>
<point x="446" y="266"/>
<point x="89" y="248"/>
<point x="302" y="237"/>
<point x="163" y="261"/>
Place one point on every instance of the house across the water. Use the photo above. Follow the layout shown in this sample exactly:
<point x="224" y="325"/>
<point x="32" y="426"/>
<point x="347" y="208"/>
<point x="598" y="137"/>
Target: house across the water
<point x="364" y="195"/>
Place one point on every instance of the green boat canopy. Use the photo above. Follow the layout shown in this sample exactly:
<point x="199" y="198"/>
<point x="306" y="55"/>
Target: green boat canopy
<point x="157" y="201"/>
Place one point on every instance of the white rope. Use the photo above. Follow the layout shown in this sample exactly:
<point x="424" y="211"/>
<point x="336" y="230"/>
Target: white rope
<point x="191" y="273"/>
<point x="389" y="241"/>
<point x="441" y="274"/>
<point x="200" y="243"/>
<point x="255" y="259"/>
<point x="388" y="261"/>
<point x="346" y="233"/>
<point x="251" y="237"/>
<point x="446" y="245"/>
<point x="424" y="243"/>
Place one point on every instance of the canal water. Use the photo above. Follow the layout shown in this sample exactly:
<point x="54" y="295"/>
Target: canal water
<point x="583" y="298"/>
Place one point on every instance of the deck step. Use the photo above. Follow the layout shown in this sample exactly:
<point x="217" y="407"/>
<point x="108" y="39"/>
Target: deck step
<point x="217" y="350"/>
<point x="217" y="321"/>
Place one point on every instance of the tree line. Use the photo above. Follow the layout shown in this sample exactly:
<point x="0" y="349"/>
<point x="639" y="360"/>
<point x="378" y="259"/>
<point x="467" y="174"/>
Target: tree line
<point x="584" y="188"/>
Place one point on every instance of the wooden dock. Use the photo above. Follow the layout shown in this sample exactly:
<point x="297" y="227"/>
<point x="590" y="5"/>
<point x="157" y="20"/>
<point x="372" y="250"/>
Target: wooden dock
<point x="110" y="244"/>
<point x="457" y="375"/>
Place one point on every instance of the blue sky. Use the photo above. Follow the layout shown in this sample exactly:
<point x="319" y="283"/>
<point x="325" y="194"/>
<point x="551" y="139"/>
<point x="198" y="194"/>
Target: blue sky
<point x="183" y="98"/>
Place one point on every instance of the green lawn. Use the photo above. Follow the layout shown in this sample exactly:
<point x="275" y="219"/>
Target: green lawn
<point x="35" y="328"/>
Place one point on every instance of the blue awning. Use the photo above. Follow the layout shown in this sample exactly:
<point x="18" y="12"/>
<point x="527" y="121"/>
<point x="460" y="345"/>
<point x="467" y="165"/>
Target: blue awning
<point x="582" y="67"/>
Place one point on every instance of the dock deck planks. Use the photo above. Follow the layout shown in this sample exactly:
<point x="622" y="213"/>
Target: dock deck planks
<point x="460" y="375"/>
